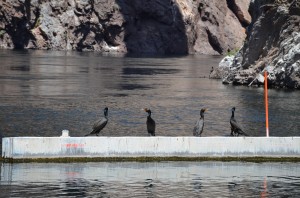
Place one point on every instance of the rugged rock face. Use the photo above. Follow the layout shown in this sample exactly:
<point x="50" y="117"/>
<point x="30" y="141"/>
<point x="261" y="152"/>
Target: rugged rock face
<point x="125" y="26"/>
<point x="273" y="43"/>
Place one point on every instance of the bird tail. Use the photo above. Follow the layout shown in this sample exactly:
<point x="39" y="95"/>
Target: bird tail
<point x="93" y="132"/>
<point x="244" y="133"/>
<point x="86" y="135"/>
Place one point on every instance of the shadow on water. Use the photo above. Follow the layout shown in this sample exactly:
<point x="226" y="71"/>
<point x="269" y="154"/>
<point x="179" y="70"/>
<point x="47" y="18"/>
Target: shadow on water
<point x="153" y="27"/>
<point x="148" y="71"/>
<point x="132" y="87"/>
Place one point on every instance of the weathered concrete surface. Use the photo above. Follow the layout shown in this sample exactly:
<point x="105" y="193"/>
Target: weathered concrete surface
<point x="56" y="147"/>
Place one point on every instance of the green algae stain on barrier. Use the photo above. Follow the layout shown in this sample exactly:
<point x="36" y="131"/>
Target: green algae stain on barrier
<point x="150" y="159"/>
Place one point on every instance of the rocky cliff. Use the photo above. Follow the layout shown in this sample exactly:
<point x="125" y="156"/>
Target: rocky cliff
<point x="125" y="26"/>
<point x="272" y="44"/>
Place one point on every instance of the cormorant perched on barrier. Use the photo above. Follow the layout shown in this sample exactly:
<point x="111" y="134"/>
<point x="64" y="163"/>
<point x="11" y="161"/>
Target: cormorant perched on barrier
<point x="236" y="129"/>
<point x="99" y="124"/>
<point x="211" y="71"/>
<point x="150" y="123"/>
<point x="198" y="129"/>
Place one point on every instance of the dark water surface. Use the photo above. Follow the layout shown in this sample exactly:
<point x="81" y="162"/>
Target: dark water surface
<point x="44" y="92"/>
<point x="164" y="179"/>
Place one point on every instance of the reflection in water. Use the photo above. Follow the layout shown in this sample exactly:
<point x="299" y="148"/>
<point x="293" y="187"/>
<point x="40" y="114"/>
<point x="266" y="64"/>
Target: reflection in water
<point x="160" y="179"/>
<point x="21" y="68"/>
<point x="264" y="193"/>
<point x="149" y="187"/>
<point x="44" y="92"/>
<point x="133" y="86"/>
<point x="197" y="184"/>
<point x="74" y="188"/>
<point x="148" y="71"/>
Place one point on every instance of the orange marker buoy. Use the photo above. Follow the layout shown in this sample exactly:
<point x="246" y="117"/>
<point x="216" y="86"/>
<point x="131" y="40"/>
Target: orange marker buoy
<point x="266" y="103"/>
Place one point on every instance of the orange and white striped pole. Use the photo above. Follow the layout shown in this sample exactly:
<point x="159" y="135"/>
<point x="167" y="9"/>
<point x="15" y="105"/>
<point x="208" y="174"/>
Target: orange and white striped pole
<point x="266" y="103"/>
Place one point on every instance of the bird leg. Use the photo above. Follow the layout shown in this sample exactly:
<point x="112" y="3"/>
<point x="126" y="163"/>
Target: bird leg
<point x="231" y="132"/>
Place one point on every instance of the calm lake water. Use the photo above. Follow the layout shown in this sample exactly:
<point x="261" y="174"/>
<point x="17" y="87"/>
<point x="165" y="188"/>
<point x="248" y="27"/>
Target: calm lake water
<point x="44" y="92"/>
<point x="164" y="179"/>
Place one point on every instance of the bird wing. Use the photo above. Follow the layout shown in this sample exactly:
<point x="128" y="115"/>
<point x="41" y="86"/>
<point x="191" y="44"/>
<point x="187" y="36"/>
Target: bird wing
<point x="236" y="127"/>
<point x="99" y="125"/>
<point x="150" y="125"/>
<point x="234" y="124"/>
<point x="198" y="127"/>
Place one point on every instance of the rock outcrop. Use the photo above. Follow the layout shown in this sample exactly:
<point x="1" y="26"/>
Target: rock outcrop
<point x="272" y="44"/>
<point x="132" y="26"/>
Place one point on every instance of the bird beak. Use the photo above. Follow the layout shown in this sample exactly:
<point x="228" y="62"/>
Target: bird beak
<point x="144" y="109"/>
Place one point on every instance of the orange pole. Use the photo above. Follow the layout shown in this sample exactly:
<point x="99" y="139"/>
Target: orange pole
<point x="266" y="104"/>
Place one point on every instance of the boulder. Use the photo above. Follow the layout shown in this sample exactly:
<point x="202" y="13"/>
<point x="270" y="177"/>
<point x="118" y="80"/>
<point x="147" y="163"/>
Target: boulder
<point x="240" y="9"/>
<point x="273" y="42"/>
<point x="223" y="68"/>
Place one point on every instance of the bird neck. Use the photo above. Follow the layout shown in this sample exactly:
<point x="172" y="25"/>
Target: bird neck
<point x="232" y="114"/>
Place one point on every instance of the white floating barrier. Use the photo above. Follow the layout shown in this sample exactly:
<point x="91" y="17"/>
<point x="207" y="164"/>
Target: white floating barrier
<point x="159" y="146"/>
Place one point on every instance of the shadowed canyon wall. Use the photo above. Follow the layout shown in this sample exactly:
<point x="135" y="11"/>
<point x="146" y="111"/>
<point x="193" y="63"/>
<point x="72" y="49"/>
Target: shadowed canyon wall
<point x="125" y="26"/>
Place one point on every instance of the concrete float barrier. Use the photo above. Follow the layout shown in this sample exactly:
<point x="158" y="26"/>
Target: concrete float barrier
<point x="159" y="146"/>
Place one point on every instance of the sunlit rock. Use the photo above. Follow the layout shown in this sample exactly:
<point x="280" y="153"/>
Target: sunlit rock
<point x="223" y="69"/>
<point x="273" y="42"/>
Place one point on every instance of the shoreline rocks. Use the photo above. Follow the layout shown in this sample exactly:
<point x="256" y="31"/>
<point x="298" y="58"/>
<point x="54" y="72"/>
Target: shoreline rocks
<point x="273" y="44"/>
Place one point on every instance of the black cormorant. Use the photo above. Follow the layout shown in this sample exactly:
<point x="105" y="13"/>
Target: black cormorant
<point x="150" y="123"/>
<point x="99" y="124"/>
<point x="211" y="71"/>
<point x="198" y="129"/>
<point x="236" y="129"/>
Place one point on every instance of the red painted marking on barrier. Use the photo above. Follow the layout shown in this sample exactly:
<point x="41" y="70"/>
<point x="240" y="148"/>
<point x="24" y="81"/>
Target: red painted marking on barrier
<point x="72" y="174"/>
<point x="74" y="145"/>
